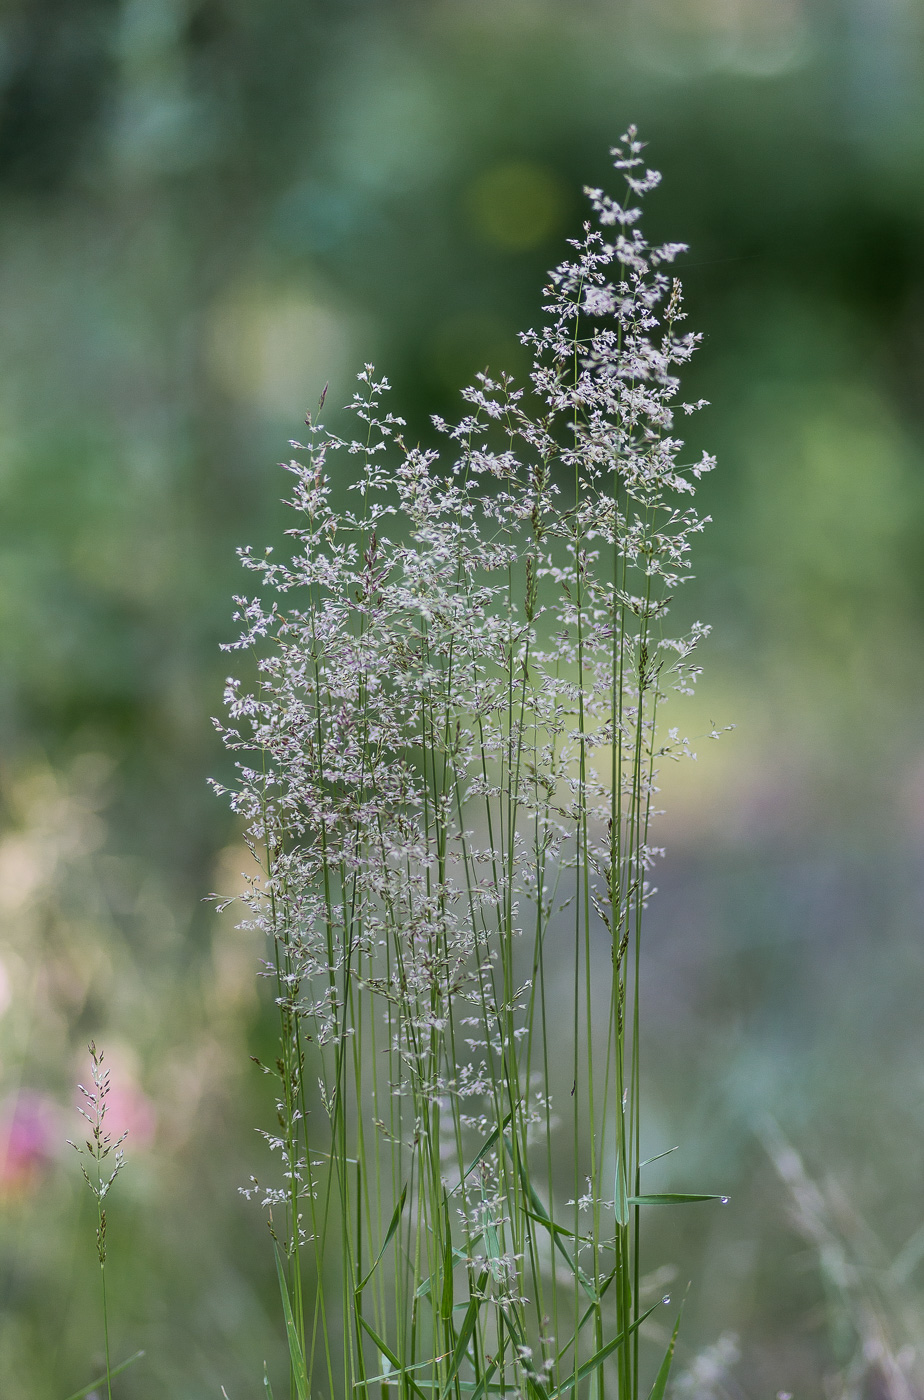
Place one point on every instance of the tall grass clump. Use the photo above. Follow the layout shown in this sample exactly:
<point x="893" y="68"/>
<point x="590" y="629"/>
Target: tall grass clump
<point x="447" y="766"/>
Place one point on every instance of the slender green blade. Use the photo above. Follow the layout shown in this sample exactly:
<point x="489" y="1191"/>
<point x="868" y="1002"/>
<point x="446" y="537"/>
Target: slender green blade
<point x="389" y="1355"/>
<point x="483" y="1151"/>
<point x="383" y="1347"/>
<point x="492" y="1245"/>
<point x="664" y="1370"/>
<point x="600" y="1356"/>
<point x="389" y="1236"/>
<point x="458" y="1257"/>
<point x="601" y="1294"/>
<point x="465" y="1335"/>
<point x="482" y="1385"/>
<point x="553" y="1228"/>
<point x="620" y="1193"/>
<point x="512" y="1323"/>
<point x="543" y="1218"/>
<point x="673" y="1198"/>
<point x="101" y="1380"/>
<point x="394" y="1375"/>
<point x="266" y="1384"/>
<point x="295" y="1347"/>
<point x="657" y="1157"/>
<point x="478" y="1388"/>
<point x="448" y="1263"/>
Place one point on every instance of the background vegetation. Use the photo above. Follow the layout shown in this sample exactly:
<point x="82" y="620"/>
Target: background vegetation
<point x="208" y="209"/>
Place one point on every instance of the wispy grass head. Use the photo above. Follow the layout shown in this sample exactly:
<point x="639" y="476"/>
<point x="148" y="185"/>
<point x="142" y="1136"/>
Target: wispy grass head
<point x="107" y="1159"/>
<point x="99" y="1146"/>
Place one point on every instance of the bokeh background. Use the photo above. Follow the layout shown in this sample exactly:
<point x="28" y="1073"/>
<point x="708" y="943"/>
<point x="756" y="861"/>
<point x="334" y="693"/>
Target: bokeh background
<point x="208" y="208"/>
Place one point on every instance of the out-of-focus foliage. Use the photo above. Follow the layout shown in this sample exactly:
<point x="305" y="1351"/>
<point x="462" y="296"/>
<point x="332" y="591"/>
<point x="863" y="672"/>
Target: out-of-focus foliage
<point x="208" y="210"/>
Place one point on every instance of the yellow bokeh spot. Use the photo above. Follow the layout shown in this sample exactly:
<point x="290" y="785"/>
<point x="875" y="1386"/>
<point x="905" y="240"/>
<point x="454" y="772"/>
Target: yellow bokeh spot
<point x="276" y="347"/>
<point x="516" y="205"/>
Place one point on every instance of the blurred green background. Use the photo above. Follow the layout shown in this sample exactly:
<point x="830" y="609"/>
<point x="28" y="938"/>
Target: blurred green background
<point x="208" y="208"/>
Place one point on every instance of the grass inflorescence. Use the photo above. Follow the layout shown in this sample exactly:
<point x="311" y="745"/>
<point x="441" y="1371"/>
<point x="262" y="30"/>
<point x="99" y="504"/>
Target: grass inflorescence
<point x="447" y="768"/>
<point x="107" y="1158"/>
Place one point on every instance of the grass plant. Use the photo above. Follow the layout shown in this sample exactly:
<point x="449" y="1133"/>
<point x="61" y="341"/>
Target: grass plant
<point x="107" y="1159"/>
<point x="447" y="760"/>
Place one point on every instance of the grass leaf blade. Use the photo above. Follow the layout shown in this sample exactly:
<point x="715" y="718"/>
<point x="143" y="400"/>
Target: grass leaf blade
<point x="674" y="1198"/>
<point x="296" y="1354"/>
<point x="483" y="1151"/>
<point x="389" y="1236"/>
<point x="483" y="1384"/>
<point x="664" y="1370"/>
<point x="541" y="1215"/>
<point x="101" y="1380"/>
<point x="464" y="1337"/>
<point x="458" y="1257"/>
<point x="600" y="1356"/>
<point x="389" y="1355"/>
